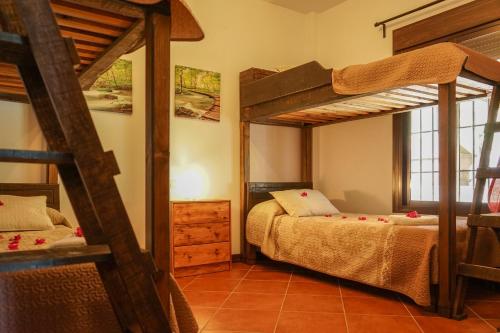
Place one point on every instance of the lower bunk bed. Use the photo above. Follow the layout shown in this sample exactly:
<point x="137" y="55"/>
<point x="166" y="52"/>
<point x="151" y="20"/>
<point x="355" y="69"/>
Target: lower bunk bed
<point x="64" y="298"/>
<point x="361" y="248"/>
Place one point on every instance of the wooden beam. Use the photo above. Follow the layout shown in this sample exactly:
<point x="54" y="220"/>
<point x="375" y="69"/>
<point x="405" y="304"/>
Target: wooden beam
<point x="13" y="48"/>
<point x="4" y="96"/>
<point x="32" y="156"/>
<point x="246" y="251"/>
<point x="447" y="196"/>
<point x="298" y="79"/>
<point x="306" y="145"/>
<point x="157" y="145"/>
<point x="120" y="46"/>
<point x="112" y="8"/>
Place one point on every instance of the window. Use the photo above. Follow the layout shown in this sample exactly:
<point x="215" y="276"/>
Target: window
<point x="417" y="150"/>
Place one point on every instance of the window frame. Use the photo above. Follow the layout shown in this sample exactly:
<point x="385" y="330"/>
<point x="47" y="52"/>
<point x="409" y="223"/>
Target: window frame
<point x="401" y="202"/>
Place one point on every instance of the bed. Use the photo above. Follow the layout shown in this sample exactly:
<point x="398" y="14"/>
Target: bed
<point x="370" y="251"/>
<point x="310" y="95"/>
<point x="64" y="298"/>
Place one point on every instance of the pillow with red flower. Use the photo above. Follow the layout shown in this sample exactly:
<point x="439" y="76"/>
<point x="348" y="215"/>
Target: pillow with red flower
<point x="304" y="202"/>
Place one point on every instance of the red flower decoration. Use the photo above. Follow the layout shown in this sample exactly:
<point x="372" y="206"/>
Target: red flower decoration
<point x="344" y="217"/>
<point x="79" y="232"/>
<point x="13" y="246"/>
<point x="413" y="214"/>
<point x="1" y="203"/>
<point x="303" y="194"/>
<point x="328" y="215"/>
<point x="362" y="218"/>
<point x="1" y="237"/>
<point x="381" y="219"/>
<point x="15" y="239"/>
<point x="39" y="241"/>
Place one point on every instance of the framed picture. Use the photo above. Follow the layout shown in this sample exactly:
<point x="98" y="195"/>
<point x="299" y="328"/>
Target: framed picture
<point x="197" y="93"/>
<point x="112" y="91"/>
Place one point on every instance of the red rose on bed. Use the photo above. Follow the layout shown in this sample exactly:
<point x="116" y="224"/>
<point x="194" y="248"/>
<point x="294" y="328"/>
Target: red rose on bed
<point x="328" y="215"/>
<point x="15" y="239"/>
<point x="362" y="218"/>
<point x="413" y="214"/>
<point x="344" y="217"/>
<point x="1" y="203"/>
<point x="39" y="241"/>
<point x="79" y="232"/>
<point x="303" y="194"/>
<point x="13" y="246"/>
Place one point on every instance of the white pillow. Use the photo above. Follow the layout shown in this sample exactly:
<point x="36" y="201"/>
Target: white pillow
<point x="24" y="213"/>
<point x="304" y="202"/>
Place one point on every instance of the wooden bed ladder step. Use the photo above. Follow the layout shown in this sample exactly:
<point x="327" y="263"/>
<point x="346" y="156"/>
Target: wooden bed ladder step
<point x="476" y="219"/>
<point x="31" y="40"/>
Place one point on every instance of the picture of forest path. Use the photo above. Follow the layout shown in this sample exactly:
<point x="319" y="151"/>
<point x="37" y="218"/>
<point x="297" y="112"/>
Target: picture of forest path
<point x="197" y="93"/>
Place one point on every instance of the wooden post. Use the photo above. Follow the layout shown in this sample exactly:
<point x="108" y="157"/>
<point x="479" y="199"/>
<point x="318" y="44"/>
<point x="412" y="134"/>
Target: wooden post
<point x="246" y="252"/>
<point x="157" y="145"/>
<point x="447" y="195"/>
<point x="306" y="154"/>
<point x="51" y="174"/>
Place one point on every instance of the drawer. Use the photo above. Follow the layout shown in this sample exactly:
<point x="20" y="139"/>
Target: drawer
<point x="193" y="255"/>
<point x="203" y="269"/>
<point x="201" y="233"/>
<point x="200" y="212"/>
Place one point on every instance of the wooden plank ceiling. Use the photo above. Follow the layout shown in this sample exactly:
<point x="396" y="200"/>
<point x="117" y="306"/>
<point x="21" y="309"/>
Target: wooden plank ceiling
<point x="365" y="106"/>
<point x="93" y="30"/>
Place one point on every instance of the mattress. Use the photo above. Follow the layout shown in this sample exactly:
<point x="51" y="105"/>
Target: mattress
<point x="398" y="258"/>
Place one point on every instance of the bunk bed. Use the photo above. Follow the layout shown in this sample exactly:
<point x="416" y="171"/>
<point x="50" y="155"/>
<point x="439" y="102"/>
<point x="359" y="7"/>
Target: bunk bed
<point x="51" y="50"/>
<point x="308" y="96"/>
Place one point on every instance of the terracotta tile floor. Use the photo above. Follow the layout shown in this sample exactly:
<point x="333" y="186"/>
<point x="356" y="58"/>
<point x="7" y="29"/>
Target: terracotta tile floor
<point x="272" y="298"/>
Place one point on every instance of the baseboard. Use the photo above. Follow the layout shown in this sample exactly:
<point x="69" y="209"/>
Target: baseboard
<point x="236" y="257"/>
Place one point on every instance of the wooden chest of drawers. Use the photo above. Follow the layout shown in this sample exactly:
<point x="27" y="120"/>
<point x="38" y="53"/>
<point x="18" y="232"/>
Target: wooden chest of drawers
<point x="200" y="237"/>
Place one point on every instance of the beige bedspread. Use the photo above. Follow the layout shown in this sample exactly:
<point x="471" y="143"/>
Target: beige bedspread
<point x="398" y="258"/>
<point x="439" y="63"/>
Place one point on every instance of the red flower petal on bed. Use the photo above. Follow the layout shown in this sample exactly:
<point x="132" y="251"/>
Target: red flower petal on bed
<point x="381" y="219"/>
<point x="303" y="194"/>
<point x="344" y="217"/>
<point x="413" y="214"/>
<point x="328" y="215"/>
<point x="79" y="232"/>
<point x="15" y="239"/>
<point x="362" y="218"/>
<point x="1" y="203"/>
<point x="39" y="241"/>
<point x="13" y="246"/>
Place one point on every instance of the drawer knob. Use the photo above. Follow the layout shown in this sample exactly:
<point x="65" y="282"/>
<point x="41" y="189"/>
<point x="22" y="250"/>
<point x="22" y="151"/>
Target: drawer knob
<point x="190" y="257"/>
<point x="217" y="252"/>
<point x="217" y="234"/>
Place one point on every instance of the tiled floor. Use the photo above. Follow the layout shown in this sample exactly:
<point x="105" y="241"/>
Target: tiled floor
<point x="267" y="298"/>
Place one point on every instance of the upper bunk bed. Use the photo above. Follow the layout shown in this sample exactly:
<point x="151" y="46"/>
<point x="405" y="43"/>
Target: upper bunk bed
<point x="102" y="31"/>
<point x="303" y="96"/>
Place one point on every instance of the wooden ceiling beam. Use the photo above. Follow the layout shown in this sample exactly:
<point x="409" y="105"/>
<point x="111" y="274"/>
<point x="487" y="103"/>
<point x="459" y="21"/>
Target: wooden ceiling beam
<point x="115" y="7"/>
<point x="87" y="37"/>
<point x="120" y="46"/>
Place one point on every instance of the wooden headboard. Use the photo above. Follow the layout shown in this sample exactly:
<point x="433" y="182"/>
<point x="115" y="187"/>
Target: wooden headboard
<point x="260" y="192"/>
<point x="51" y="191"/>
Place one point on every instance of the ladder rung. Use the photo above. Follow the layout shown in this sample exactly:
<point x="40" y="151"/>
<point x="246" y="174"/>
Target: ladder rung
<point x="488" y="173"/>
<point x="13" y="48"/>
<point x="33" y="156"/>
<point x="22" y="260"/>
<point x="479" y="272"/>
<point x="493" y="127"/>
<point x="484" y="220"/>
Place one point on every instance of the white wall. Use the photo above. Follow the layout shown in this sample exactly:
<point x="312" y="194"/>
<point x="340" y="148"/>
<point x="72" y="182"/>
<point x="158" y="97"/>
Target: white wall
<point x="353" y="161"/>
<point x="238" y="35"/>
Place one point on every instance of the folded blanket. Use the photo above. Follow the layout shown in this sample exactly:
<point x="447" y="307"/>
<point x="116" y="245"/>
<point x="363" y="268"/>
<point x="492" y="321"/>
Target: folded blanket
<point x="420" y="220"/>
<point x="70" y="241"/>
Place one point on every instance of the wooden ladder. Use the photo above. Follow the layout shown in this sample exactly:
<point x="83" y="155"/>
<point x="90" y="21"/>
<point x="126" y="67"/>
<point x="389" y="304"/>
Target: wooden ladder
<point x="468" y="269"/>
<point x="31" y="40"/>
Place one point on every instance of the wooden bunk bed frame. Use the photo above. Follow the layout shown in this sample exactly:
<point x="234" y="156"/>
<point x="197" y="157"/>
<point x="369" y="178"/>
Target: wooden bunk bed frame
<point x="303" y="97"/>
<point x="94" y="34"/>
